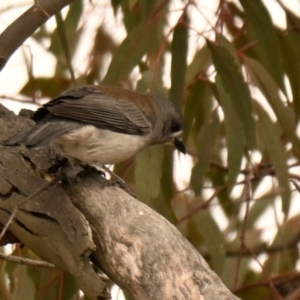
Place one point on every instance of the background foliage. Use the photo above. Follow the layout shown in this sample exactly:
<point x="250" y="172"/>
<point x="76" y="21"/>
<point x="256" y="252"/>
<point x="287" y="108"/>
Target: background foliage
<point x="236" y="80"/>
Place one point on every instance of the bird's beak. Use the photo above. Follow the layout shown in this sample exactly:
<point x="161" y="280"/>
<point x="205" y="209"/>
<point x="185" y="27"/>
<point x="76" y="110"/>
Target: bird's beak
<point x="179" y="145"/>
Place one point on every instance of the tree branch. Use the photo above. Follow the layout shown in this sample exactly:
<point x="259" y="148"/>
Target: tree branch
<point x="27" y="261"/>
<point x="89" y="224"/>
<point x="23" y="27"/>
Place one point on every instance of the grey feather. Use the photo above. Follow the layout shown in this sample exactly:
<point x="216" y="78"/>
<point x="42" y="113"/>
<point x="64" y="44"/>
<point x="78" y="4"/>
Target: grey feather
<point x="104" y="112"/>
<point x="41" y="134"/>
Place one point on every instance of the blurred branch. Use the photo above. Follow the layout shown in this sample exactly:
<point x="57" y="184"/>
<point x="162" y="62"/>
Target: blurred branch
<point x="27" y="261"/>
<point x="248" y="196"/>
<point x="278" y="281"/>
<point x="24" y="26"/>
<point x="5" y="97"/>
<point x="296" y="185"/>
<point x="203" y="205"/>
<point x="260" y="249"/>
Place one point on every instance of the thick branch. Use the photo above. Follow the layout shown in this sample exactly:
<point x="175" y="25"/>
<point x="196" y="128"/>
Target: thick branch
<point x="89" y="224"/>
<point x="23" y="27"/>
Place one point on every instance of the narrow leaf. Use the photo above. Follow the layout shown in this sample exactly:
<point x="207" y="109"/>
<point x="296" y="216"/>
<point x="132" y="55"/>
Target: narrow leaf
<point x="206" y="140"/>
<point x="258" y="209"/>
<point x="179" y="60"/>
<point x="267" y="47"/>
<point x="132" y="3"/>
<point x="222" y="41"/>
<point x="290" y="44"/>
<point x="270" y="136"/>
<point x="24" y="287"/>
<point x="148" y="173"/>
<point x="263" y="80"/>
<point x="234" y="134"/>
<point x="239" y="93"/>
<point x="130" y="52"/>
<point x="200" y="62"/>
<point x="285" y="261"/>
<point x="213" y="237"/>
<point x="64" y="42"/>
<point x="70" y="27"/>
<point x="198" y="107"/>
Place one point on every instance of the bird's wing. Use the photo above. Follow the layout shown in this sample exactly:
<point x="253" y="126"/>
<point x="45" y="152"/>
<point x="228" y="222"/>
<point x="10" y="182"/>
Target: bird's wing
<point x="94" y="107"/>
<point x="42" y="133"/>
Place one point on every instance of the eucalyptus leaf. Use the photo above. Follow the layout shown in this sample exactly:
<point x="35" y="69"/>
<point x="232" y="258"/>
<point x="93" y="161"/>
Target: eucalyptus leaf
<point x="267" y="46"/>
<point x="237" y="89"/>
<point x="235" y="138"/>
<point x="272" y="142"/>
<point x="206" y="140"/>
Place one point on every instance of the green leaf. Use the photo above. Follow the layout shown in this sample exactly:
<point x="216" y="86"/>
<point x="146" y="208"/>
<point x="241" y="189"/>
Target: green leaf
<point x="145" y="81"/>
<point x="64" y="42"/>
<point x="270" y="137"/>
<point x="258" y="208"/>
<point x="213" y="237"/>
<point x="70" y="24"/>
<point x="145" y="35"/>
<point x="285" y="260"/>
<point x="48" y="87"/>
<point x="206" y="140"/>
<point x="179" y="60"/>
<point x="70" y="287"/>
<point x="73" y="17"/>
<point x="267" y="47"/>
<point x="234" y="134"/>
<point x="219" y="179"/>
<point x="130" y="52"/>
<point x="263" y="80"/>
<point x="290" y="45"/>
<point x="167" y="185"/>
<point x="222" y="41"/>
<point x="148" y="173"/>
<point x="198" y="107"/>
<point x="24" y="287"/>
<point x="6" y="277"/>
<point x="228" y="276"/>
<point x="239" y="93"/>
<point x="200" y="62"/>
<point x="132" y="3"/>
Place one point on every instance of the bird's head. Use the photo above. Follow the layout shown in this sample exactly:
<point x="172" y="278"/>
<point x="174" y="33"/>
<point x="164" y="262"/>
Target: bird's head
<point x="171" y="125"/>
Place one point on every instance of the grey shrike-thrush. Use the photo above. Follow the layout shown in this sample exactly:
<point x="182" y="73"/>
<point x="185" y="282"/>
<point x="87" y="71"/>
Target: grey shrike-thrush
<point x="99" y="125"/>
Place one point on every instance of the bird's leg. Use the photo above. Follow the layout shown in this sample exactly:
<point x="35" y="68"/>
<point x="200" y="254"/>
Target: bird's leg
<point x="114" y="175"/>
<point x="119" y="181"/>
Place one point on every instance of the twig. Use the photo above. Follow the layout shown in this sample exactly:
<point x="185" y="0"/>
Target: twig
<point x="5" y="97"/>
<point x="244" y="246"/>
<point x="296" y="185"/>
<point x="27" y="261"/>
<point x="279" y="280"/>
<point x="269" y="277"/>
<point x="202" y="205"/>
<point x="244" y="228"/>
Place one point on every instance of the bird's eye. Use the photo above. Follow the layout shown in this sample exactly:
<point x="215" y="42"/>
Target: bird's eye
<point x="175" y="127"/>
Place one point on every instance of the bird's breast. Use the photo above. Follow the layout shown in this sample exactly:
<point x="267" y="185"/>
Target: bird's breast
<point x="95" y="146"/>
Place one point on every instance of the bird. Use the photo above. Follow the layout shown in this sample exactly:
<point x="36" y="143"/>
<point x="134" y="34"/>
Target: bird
<point x="99" y="125"/>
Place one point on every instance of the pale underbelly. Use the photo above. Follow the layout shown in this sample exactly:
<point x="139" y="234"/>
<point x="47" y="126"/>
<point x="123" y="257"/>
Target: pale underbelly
<point x="95" y="146"/>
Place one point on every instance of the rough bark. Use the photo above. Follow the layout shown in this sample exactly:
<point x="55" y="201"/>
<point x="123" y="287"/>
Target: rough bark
<point x="89" y="224"/>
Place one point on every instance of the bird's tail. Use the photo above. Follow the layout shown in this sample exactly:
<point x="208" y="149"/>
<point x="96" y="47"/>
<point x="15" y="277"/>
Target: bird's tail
<point x="40" y="134"/>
